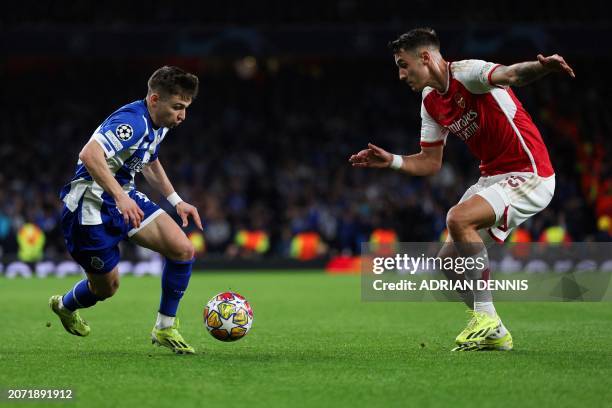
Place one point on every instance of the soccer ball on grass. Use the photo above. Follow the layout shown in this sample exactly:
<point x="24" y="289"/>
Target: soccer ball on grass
<point x="228" y="316"/>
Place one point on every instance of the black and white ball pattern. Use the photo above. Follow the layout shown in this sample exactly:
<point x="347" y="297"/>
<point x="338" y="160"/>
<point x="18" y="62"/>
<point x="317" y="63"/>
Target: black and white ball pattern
<point x="124" y="132"/>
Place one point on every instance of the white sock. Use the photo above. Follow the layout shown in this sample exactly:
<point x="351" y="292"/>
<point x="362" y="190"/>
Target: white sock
<point x="485" y="307"/>
<point x="164" y="321"/>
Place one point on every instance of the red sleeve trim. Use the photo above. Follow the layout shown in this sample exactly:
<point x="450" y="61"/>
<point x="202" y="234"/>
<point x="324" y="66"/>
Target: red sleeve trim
<point x="432" y="144"/>
<point x="491" y="73"/>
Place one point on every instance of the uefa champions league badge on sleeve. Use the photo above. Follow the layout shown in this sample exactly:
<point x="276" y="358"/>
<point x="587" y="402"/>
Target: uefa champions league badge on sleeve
<point x="124" y="132"/>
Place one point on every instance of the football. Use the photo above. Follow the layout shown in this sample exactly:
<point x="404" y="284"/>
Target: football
<point x="228" y="316"/>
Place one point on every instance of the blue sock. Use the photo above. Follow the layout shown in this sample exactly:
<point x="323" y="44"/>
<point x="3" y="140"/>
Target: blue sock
<point x="79" y="297"/>
<point x="175" y="278"/>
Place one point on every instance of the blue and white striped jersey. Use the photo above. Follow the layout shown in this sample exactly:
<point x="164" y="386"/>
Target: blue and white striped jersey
<point x="129" y="141"/>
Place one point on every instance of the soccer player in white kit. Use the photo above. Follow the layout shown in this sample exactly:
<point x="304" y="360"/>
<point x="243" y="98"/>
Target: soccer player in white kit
<point x="473" y="100"/>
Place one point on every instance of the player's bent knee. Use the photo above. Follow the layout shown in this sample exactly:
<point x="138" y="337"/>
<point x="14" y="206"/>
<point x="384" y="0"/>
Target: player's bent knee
<point x="456" y="220"/>
<point x="183" y="251"/>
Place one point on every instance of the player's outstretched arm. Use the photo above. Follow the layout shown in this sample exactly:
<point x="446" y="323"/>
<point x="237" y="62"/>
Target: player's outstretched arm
<point x="94" y="160"/>
<point x="425" y="163"/>
<point x="525" y="73"/>
<point x="156" y="176"/>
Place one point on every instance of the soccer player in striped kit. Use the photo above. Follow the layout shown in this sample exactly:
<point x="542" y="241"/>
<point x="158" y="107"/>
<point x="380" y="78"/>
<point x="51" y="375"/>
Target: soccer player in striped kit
<point x="473" y="100"/>
<point x="102" y="206"/>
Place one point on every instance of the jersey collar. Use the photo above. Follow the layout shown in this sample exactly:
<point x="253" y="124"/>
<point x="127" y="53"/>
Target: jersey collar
<point x="155" y="130"/>
<point x="448" y="78"/>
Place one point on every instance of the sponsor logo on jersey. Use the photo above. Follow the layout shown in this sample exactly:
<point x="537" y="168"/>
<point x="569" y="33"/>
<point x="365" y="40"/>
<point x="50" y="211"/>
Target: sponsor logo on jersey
<point x="466" y="126"/>
<point x="124" y="132"/>
<point x="134" y="163"/>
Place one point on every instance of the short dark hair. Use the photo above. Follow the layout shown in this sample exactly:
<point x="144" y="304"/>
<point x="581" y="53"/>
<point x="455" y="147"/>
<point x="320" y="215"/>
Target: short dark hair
<point x="415" y="38"/>
<point x="169" y="80"/>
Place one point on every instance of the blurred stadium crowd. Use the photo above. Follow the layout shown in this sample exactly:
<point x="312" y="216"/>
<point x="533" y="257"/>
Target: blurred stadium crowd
<point x="269" y="153"/>
<point x="264" y="151"/>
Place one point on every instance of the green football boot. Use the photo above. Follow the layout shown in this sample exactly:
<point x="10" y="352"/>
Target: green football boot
<point x="503" y="343"/>
<point x="480" y="326"/>
<point x="469" y="347"/>
<point x="72" y="321"/>
<point x="171" y="338"/>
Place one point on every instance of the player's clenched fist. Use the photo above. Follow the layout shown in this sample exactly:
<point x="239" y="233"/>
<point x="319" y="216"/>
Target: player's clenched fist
<point x="373" y="156"/>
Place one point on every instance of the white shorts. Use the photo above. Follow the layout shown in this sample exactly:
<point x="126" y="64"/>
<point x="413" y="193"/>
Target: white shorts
<point x="514" y="197"/>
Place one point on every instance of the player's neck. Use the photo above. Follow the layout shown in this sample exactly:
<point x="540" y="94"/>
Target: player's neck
<point x="440" y="76"/>
<point x="155" y="125"/>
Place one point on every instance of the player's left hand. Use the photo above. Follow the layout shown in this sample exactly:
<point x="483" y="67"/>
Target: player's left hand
<point x="185" y="210"/>
<point x="373" y="156"/>
<point x="556" y="63"/>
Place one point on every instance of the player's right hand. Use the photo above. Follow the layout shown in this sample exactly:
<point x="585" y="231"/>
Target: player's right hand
<point x="373" y="156"/>
<point x="132" y="214"/>
<point x="556" y="63"/>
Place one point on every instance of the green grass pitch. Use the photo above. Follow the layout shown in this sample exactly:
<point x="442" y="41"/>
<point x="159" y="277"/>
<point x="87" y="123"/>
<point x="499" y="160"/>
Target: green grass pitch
<point x="313" y="343"/>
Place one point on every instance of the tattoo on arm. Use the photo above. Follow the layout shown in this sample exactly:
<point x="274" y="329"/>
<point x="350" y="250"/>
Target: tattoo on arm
<point x="527" y="72"/>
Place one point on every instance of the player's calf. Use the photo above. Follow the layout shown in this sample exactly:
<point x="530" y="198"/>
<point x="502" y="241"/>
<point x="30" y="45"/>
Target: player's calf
<point x="80" y="296"/>
<point x="103" y="289"/>
<point x="175" y="279"/>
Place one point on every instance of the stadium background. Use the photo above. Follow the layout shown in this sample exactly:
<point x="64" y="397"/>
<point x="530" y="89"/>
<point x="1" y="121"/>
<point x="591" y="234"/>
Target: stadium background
<point x="287" y="94"/>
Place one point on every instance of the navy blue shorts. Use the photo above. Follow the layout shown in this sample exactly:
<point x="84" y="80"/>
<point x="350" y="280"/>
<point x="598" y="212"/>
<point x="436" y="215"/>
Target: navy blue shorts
<point x="96" y="247"/>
